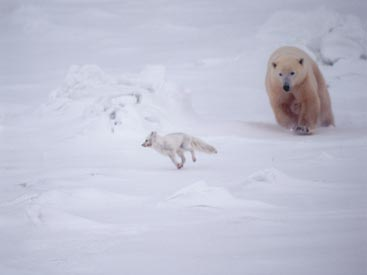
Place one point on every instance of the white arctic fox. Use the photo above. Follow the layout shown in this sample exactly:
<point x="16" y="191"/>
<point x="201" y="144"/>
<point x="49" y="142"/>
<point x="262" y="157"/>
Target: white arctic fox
<point x="177" y="143"/>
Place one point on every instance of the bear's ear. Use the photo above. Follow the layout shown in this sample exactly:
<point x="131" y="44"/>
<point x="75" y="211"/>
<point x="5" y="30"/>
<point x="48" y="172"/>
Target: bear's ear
<point x="274" y="65"/>
<point x="301" y="61"/>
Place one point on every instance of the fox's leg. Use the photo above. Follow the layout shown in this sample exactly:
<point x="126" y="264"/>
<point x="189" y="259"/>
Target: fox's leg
<point x="172" y="157"/>
<point x="188" y="147"/>
<point x="182" y="156"/>
<point x="192" y="154"/>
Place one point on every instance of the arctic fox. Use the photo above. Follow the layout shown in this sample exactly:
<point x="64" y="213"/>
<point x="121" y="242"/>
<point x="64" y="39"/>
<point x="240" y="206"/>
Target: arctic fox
<point x="177" y="143"/>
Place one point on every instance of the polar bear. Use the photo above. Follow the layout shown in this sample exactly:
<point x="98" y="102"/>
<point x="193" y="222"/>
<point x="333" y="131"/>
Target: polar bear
<point x="297" y="91"/>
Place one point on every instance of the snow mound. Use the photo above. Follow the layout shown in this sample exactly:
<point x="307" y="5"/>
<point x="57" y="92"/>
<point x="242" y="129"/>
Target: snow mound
<point x="89" y="98"/>
<point x="269" y="176"/>
<point x="274" y="180"/>
<point x="85" y="198"/>
<point x="328" y="35"/>
<point x="58" y="219"/>
<point x="274" y="183"/>
<point x="78" y="208"/>
<point x="200" y="194"/>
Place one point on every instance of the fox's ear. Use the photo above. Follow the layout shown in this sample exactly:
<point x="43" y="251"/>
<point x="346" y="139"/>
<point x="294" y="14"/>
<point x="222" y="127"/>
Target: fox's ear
<point x="301" y="61"/>
<point x="274" y="65"/>
<point x="153" y="134"/>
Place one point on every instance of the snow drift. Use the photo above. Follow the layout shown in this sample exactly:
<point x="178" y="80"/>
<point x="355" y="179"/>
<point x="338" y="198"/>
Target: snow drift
<point x="90" y="99"/>
<point x="200" y="194"/>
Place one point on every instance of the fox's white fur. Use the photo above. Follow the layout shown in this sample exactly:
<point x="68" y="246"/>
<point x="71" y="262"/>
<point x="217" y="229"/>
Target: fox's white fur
<point x="177" y="143"/>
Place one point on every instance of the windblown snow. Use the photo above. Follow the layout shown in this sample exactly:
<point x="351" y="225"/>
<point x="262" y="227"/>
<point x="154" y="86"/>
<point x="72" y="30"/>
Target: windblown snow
<point x="80" y="195"/>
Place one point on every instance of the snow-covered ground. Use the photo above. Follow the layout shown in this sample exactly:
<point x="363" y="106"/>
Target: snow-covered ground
<point x="82" y="83"/>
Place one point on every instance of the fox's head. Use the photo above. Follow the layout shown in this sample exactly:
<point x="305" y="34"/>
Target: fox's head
<point x="149" y="140"/>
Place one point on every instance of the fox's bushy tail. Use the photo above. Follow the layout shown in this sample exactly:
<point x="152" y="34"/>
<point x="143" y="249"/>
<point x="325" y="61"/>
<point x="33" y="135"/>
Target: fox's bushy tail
<point x="200" y="145"/>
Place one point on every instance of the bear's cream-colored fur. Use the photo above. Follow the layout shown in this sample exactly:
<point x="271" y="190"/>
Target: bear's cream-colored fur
<point x="297" y="91"/>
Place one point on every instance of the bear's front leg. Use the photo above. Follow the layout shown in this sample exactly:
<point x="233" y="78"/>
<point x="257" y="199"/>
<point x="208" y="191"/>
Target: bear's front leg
<point x="284" y="116"/>
<point x="307" y="119"/>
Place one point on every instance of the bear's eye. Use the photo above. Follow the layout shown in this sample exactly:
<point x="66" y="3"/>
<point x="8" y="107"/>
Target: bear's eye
<point x="280" y="74"/>
<point x="293" y="73"/>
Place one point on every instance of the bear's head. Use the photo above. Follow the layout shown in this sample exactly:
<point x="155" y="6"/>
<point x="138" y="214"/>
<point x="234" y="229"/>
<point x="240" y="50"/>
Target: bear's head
<point x="289" y="71"/>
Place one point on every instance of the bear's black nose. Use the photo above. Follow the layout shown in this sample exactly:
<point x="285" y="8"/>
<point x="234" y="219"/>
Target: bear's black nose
<point x="286" y="87"/>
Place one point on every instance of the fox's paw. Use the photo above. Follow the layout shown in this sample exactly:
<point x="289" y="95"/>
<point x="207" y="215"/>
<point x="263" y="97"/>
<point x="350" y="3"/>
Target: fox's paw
<point x="179" y="165"/>
<point x="302" y="130"/>
<point x="194" y="159"/>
